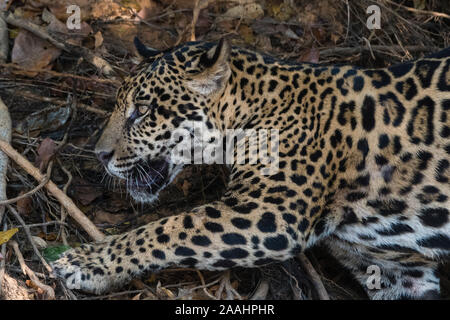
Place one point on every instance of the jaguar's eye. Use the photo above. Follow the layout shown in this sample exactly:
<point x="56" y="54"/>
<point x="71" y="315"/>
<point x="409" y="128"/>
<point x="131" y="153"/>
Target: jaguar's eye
<point x="138" y="112"/>
<point x="142" y="109"/>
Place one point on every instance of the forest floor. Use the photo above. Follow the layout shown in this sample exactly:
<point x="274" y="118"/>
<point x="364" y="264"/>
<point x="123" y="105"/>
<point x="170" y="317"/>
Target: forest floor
<point x="59" y="102"/>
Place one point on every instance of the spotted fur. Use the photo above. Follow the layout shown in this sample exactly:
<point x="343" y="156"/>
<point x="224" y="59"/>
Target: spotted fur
<point x="364" y="167"/>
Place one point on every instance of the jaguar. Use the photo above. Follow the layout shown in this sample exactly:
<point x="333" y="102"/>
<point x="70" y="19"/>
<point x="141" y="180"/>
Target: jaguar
<point x="363" y="167"/>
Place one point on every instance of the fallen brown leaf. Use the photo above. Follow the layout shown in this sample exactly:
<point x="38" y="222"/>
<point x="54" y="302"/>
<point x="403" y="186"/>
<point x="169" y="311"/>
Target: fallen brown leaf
<point x="103" y="217"/>
<point x="311" y="56"/>
<point x="45" y="151"/>
<point x="24" y="205"/>
<point x="31" y="52"/>
<point x="84" y="192"/>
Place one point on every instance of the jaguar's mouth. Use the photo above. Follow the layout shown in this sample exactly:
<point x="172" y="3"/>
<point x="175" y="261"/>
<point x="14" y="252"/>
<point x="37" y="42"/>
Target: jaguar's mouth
<point x="148" y="177"/>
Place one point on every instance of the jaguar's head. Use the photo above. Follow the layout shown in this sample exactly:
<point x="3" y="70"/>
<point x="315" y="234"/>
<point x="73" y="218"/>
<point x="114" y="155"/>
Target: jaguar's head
<point x="172" y="90"/>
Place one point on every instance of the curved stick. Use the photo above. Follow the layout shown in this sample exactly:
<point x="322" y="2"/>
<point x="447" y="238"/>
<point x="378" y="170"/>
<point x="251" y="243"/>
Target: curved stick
<point x="5" y="135"/>
<point x="72" y="209"/>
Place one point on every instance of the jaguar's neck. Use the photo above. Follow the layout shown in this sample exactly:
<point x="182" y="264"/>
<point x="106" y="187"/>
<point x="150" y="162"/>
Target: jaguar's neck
<point x="261" y="87"/>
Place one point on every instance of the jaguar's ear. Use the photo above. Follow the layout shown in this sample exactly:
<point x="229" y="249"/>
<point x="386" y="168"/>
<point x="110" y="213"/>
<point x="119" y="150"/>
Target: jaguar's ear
<point x="143" y="50"/>
<point x="215" y="70"/>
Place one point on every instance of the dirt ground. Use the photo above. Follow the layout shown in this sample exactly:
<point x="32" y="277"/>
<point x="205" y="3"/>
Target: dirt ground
<point x="59" y="101"/>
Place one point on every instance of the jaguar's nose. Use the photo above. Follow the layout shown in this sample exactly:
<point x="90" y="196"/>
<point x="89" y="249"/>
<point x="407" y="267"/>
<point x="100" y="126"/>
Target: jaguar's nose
<point x="105" y="156"/>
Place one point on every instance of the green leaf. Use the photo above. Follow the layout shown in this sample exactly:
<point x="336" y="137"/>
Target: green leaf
<point x="52" y="253"/>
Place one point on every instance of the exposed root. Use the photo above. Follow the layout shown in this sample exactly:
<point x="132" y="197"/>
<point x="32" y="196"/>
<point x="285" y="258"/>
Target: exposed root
<point x="49" y="292"/>
<point x="314" y="277"/>
<point x="225" y="284"/>
<point x="261" y="291"/>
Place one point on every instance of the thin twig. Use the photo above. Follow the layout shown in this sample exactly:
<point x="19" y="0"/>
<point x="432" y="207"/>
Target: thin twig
<point x="42" y="224"/>
<point x="261" y="291"/>
<point x="204" y="286"/>
<point x="29" y="236"/>
<point x="63" y="210"/>
<point x="73" y="107"/>
<point x="354" y="50"/>
<point x="199" y="5"/>
<point x="370" y="47"/>
<point x="226" y="284"/>
<point x="115" y="294"/>
<point x="56" y="101"/>
<point x="348" y="21"/>
<point x="433" y="13"/>
<point x="314" y="276"/>
<point x="60" y="74"/>
<point x="297" y="291"/>
<point x="26" y="270"/>
<point x="28" y="194"/>
<point x="72" y="209"/>
<point x="413" y="24"/>
<point x="207" y="285"/>
<point x="18" y="270"/>
<point x="154" y="26"/>
<point x="67" y="291"/>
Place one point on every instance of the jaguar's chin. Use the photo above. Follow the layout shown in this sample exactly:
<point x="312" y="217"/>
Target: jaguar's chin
<point x="143" y="196"/>
<point x="147" y="178"/>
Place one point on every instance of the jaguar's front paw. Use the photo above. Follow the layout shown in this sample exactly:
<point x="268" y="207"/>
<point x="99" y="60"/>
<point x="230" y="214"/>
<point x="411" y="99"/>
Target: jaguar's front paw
<point x="84" y="269"/>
